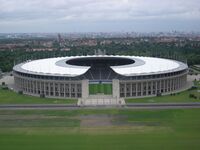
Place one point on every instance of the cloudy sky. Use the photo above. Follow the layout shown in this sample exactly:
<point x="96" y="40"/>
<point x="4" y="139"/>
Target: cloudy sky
<point x="99" y="15"/>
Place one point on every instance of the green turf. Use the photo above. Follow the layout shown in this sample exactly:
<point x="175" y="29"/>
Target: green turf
<point x="100" y="89"/>
<point x="130" y="129"/>
<point x="10" y="97"/>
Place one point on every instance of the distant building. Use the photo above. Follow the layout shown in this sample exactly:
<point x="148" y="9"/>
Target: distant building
<point x="60" y="40"/>
<point x="65" y="49"/>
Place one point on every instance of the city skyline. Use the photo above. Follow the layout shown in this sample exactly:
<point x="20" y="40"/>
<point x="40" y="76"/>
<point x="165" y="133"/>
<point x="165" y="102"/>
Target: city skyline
<point x="99" y="16"/>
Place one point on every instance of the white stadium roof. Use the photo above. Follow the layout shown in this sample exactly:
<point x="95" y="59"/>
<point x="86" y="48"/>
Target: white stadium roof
<point x="58" y="66"/>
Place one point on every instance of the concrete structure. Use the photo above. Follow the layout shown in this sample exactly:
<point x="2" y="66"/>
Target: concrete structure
<point x="70" y="77"/>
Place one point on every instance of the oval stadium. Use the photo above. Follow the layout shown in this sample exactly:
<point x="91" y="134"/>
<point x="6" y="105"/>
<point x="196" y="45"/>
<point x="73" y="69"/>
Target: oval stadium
<point x="105" y="77"/>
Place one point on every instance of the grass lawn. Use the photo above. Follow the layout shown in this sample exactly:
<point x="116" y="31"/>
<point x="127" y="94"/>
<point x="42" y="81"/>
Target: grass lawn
<point x="127" y="129"/>
<point x="10" y="97"/>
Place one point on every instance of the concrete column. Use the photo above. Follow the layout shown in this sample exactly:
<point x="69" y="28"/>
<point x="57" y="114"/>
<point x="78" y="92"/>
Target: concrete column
<point x="36" y="84"/>
<point x="142" y="89"/>
<point x="163" y="86"/>
<point x="125" y="89"/>
<point x="175" y="84"/>
<point x="34" y="87"/>
<point x="31" y="86"/>
<point x="131" y="89"/>
<point x="40" y="87"/>
<point x="85" y="88"/>
<point x="136" y="90"/>
<point x="21" y="87"/>
<point x="27" y="86"/>
<point x="160" y="86"/>
<point x="185" y="80"/>
<point x="151" y="87"/>
<point x="156" y="88"/>
<point x="58" y="89"/>
<point x="16" y="83"/>
<point x="168" y="85"/>
<point x="25" y="89"/>
<point x="170" y="81"/>
<point x="54" y="89"/>
<point x="147" y="87"/>
<point x="44" y="86"/>
<point x="49" y="88"/>
<point x="115" y="88"/>
<point x="24" y="85"/>
<point x="24" y="82"/>
<point x="178" y="79"/>
<point x="75" y="89"/>
<point x="64" y="90"/>
<point x="21" y="84"/>
<point x="70" y="90"/>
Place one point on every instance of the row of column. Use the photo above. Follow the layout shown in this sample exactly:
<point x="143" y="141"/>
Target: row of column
<point x="49" y="88"/>
<point x="78" y="89"/>
<point x="145" y="88"/>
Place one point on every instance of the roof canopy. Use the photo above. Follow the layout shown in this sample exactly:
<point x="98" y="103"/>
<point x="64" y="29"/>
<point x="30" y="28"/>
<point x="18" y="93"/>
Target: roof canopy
<point x="140" y="66"/>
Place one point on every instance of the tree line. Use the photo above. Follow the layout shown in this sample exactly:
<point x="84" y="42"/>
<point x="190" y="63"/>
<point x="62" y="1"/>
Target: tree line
<point x="189" y="52"/>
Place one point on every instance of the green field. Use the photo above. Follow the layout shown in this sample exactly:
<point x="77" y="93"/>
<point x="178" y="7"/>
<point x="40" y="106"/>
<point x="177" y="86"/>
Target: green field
<point x="105" y="129"/>
<point x="10" y="97"/>
<point x="100" y="89"/>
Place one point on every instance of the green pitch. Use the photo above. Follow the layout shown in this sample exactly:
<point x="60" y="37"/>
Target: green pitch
<point x="109" y="129"/>
<point x="100" y="89"/>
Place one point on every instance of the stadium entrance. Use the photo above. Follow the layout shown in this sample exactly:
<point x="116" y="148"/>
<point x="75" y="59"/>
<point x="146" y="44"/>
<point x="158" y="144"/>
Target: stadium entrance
<point x="100" y="93"/>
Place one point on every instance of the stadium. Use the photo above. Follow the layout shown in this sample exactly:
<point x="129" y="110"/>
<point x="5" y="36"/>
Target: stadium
<point x="100" y="77"/>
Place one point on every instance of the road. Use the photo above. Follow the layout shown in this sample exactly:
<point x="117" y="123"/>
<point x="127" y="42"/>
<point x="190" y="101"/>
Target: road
<point x="73" y="106"/>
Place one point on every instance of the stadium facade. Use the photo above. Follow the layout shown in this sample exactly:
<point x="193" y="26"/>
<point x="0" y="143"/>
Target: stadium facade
<point x="85" y="76"/>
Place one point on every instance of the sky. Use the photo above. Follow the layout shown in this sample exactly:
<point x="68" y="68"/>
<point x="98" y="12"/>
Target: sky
<point x="99" y="16"/>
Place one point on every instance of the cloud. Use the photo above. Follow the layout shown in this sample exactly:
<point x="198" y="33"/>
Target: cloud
<point x="66" y="11"/>
<point x="97" y="9"/>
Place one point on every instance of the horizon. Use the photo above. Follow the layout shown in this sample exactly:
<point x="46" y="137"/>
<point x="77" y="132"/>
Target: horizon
<point x="104" y="32"/>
